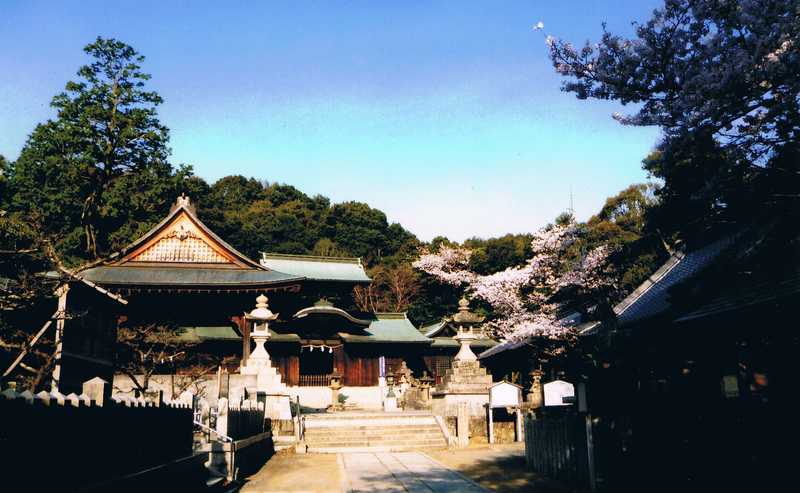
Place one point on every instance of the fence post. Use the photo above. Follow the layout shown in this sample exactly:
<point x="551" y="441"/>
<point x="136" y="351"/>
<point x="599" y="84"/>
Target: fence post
<point x="97" y="390"/>
<point x="590" y="453"/>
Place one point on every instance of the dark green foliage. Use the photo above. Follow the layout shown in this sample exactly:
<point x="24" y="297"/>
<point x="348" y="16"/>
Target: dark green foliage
<point x="93" y="175"/>
<point x="496" y="254"/>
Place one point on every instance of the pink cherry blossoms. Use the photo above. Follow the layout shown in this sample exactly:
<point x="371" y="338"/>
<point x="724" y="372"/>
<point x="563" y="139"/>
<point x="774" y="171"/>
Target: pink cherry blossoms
<point x="523" y="297"/>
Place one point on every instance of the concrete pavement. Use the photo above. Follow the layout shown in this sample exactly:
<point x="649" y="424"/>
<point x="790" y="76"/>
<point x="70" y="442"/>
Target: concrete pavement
<point x="402" y="472"/>
<point x="390" y="472"/>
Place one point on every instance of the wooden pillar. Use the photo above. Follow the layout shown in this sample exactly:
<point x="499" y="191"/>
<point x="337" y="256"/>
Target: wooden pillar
<point x="244" y="328"/>
<point x="59" y="338"/>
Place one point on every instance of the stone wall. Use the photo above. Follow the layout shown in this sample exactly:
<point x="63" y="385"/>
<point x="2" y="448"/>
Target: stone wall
<point x="478" y="429"/>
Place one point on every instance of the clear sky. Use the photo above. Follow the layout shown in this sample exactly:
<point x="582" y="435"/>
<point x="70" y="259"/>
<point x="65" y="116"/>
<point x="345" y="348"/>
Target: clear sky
<point x="445" y="115"/>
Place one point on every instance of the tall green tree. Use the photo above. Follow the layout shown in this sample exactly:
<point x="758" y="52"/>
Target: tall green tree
<point x="104" y="155"/>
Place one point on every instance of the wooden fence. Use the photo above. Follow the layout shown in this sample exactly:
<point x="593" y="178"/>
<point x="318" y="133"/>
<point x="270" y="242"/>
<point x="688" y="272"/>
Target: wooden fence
<point x="244" y="422"/>
<point x="561" y="447"/>
<point x="65" y="443"/>
<point x="322" y="380"/>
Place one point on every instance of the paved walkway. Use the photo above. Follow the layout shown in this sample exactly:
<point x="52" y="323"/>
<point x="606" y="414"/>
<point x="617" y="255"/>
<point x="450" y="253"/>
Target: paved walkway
<point x="402" y="472"/>
<point x="399" y="472"/>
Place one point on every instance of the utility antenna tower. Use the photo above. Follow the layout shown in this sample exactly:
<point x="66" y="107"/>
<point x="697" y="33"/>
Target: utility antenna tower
<point x="571" y="209"/>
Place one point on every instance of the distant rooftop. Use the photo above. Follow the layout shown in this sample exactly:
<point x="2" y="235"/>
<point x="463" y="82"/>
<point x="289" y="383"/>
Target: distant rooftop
<point x="312" y="267"/>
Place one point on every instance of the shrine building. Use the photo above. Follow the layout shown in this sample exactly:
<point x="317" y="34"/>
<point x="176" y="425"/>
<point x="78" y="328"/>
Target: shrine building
<point x="181" y="273"/>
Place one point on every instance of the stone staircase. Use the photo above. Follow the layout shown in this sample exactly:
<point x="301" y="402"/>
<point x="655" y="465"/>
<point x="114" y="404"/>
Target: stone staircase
<point x="372" y="432"/>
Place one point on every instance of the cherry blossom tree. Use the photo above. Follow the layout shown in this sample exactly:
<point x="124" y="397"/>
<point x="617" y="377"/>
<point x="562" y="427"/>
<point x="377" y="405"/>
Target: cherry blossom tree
<point x="527" y="299"/>
<point x="724" y="67"/>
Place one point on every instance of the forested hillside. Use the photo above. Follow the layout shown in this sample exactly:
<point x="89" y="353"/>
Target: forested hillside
<point x="98" y="175"/>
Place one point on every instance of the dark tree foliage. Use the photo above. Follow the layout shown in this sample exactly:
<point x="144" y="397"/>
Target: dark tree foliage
<point x="720" y="80"/>
<point x="725" y="68"/>
<point x="92" y="176"/>
<point x="496" y="254"/>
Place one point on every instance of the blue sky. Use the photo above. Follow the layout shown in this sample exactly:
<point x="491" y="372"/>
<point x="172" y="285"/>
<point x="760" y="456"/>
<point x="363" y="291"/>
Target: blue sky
<point x="445" y="115"/>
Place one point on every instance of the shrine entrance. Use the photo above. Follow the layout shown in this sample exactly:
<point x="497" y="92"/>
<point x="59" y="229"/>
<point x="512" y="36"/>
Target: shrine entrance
<point x="317" y="362"/>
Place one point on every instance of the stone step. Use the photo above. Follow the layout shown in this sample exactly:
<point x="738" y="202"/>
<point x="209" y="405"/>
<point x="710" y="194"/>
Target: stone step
<point x="375" y="448"/>
<point x="367" y="415"/>
<point x="362" y="438"/>
<point x="380" y="443"/>
<point x="376" y="423"/>
<point x="382" y="429"/>
<point x="370" y="431"/>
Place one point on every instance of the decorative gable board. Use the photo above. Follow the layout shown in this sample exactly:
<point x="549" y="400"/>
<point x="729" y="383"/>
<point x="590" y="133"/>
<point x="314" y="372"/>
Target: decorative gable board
<point x="182" y="241"/>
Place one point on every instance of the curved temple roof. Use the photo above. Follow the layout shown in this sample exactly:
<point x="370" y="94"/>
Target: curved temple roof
<point x="330" y="310"/>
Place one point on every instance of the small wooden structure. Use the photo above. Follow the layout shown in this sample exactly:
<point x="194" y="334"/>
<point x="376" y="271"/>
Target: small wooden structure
<point x="505" y="395"/>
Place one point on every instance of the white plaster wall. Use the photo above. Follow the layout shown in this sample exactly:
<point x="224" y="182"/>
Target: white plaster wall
<point x="320" y="397"/>
<point x="316" y="397"/>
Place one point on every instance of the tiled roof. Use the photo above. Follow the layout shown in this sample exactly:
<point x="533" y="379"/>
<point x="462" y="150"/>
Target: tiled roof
<point x="571" y="320"/>
<point x="317" y="268"/>
<point x="226" y="333"/>
<point x="433" y="329"/>
<point x="183" y="276"/>
<point x="652" y="297"/>
<point x="734" y="299"/>
<point x="388" y="328"/>
<point x="449" y="342"/>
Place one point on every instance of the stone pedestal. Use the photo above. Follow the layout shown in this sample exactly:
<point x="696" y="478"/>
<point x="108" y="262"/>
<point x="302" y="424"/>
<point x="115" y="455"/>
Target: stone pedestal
<point x="467" y="382"/>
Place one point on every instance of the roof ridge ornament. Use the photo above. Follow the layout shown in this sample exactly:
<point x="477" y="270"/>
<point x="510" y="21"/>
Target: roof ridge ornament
<point x="184" y="202"/>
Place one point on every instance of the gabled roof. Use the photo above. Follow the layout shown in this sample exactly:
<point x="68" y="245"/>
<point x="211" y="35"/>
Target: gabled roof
<point x="652" y="297"/>
<point x="181" y="238"/>
<point x="316" y="267"/>
<point x="388" y="328"/>
<point x="182" y="251"/>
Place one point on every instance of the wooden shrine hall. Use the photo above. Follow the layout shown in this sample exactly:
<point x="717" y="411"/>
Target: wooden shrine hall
<point x="182" y="274"/>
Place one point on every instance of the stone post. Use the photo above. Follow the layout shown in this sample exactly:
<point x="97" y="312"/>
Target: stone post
<point x="97" y="390"/>
<point x="222" y="416"/>
<point x="462" y="424"/>
<point x="335" y="386"/>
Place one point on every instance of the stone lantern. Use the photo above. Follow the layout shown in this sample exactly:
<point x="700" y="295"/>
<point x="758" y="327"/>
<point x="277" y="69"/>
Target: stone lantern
<point x="465" y="322"/>
<point x="425" y="382"/>
<point x="335" y="385"/>
<point x="260" y="317"/>
<point x="536" y="392"/>
<point x="260" y="378"/>
<point x="464" y="389"/>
